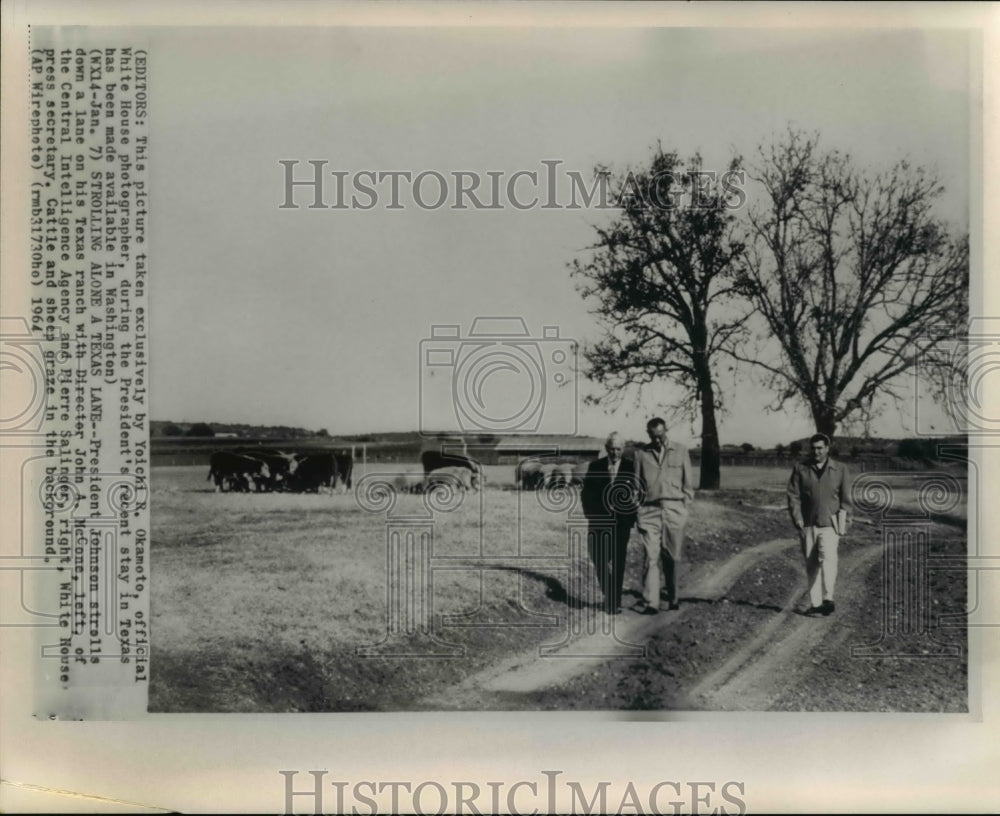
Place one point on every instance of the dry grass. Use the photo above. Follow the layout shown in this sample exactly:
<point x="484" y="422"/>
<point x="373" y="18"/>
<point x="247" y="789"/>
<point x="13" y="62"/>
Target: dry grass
<point x="257" y="583"/>
<point x="260" y="601"/>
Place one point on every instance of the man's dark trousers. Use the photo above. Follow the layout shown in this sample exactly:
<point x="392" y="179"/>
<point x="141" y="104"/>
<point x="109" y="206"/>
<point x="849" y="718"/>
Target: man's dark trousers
<point x="608" y="540"/>
<point x="610" y="508"/>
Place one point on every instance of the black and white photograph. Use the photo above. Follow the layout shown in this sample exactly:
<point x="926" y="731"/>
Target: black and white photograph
<point x="399" y="389"/>
<point x="407" y="314"/>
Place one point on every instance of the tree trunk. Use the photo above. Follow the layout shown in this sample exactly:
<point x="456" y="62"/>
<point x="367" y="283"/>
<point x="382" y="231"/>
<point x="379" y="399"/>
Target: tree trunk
<point x="711" y="476"/>
<point x="824" y="419"/>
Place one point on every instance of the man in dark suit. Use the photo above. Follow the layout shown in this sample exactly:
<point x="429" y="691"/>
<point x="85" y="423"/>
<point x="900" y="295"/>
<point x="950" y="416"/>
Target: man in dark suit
<point x="608" y="499"/>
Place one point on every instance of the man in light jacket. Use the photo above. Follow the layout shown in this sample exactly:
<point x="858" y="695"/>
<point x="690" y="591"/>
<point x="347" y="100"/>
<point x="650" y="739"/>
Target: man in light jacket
<point x="818" y="500"/>
<point x="666" y="488"/>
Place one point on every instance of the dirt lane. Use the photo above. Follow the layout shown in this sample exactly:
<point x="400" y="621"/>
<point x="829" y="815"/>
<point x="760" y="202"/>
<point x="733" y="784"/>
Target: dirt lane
<point x="529" y="672"/>
<point x="756" y="673"/>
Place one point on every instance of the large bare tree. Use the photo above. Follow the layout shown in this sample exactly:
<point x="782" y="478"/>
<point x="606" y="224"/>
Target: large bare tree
<point x="660" y="280"/>
<point x="854" y="275"/>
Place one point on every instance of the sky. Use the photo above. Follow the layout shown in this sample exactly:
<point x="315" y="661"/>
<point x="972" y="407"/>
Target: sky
<point x="316" y="317"/>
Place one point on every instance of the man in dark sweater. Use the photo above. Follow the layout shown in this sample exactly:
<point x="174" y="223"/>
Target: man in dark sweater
<point x="818" y="500"/>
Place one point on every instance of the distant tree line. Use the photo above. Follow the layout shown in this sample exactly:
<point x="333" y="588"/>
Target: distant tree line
<point x="160" y="428"/>
<point x="917" y="449"/>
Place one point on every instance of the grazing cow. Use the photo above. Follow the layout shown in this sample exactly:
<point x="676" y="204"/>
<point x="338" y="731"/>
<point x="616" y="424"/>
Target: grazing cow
<point x="529" y="474"/>
<point x="410" y="480"/>
<point x="237" y="472"/>
<point x="280" y="465"/>
<point x="313" y="471"/>
<point x="561" y="476"/>
<point x="344" y="462"/>
<point x="455" y="478"/>
<point x="547" y="472"/>
<point x="538" y="473"/>
<point x="535" y="473"/>
<point x="433" y="460"/>
<point x="308" y="472"/>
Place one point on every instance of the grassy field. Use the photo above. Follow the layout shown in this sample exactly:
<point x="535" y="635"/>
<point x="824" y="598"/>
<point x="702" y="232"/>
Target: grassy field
<point x="246" y="581"/>
<point x="261" y="601"/>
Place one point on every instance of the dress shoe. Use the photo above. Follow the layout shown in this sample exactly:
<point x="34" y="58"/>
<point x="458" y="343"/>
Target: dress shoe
<point x="827" y="608"/>
<point x="813" y="611"/>
<point x="675" y="605"/>
<point x="647" y="609"/>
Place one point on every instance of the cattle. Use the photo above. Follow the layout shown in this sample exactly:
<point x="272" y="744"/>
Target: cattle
<point x="280" y="465"/>
<point x="236" y="472"/>
<point x="539" y="473"/>
<point x="433" y="460"/>
<point x="529" y="474"/>
<point x="454" y="478"/>
<point x="409" y="481"/>
<point x="560" y="476"/>
<point x="345" y="469"/>
<point x="547" y="471"/>
<point x="313" y="471"/>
